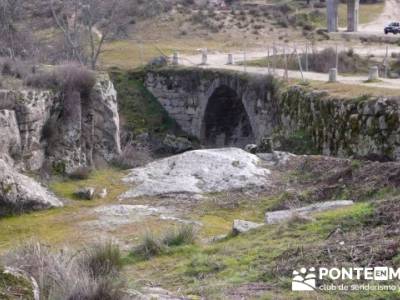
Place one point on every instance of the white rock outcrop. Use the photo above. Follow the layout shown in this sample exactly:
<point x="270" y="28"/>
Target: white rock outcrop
<point x="106" y="131"/>
<point x="10" y="139"/>
<point x="20" y="193"/>
<point x="35" y="129"/>
<point x="198" y="172"/>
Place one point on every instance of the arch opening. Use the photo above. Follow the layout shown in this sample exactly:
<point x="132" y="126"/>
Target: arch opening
<point x="226" y="122"/>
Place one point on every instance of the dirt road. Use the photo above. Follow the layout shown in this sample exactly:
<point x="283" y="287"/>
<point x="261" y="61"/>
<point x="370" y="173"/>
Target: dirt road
<point x="390" y="13"/>
<point x="219" y="60"/>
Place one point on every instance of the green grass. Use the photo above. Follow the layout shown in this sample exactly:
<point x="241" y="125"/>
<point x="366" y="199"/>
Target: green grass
<point x="243" y="259"/>
<point x="58" y="226"/>
<point x="350" y="91"/>
<point x="105" y="178"/>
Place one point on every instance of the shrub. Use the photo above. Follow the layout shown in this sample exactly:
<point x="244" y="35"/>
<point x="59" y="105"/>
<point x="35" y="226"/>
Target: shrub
<point x="42" y="80"/>
<point x="14" y="68"/>
<point x="184" y="235"/>
<point x="102" y="259"/>
<point x="81" y="173"/>
<point x="133" y="156"/>
<point x="68" y="77"/>
<point x="150" y="246"/>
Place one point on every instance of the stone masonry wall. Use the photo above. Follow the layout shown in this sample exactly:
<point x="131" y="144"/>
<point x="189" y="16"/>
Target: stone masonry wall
<point x="358" y="127"/>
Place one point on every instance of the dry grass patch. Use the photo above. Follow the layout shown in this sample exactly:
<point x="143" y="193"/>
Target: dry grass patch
<point x="351" y="91"/>
<point x="368" y="13"/>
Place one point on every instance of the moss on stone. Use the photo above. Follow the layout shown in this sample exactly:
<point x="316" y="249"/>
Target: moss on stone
<point x="392" y="121"/>
<point x="139" y="109"/>
<point x="14" y="287"/>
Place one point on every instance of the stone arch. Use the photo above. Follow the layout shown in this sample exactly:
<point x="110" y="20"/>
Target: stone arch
<point x="225" y="121"/>
<point x="352" y="15"/>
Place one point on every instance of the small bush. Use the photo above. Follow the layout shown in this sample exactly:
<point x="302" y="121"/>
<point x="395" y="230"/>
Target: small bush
<point x="42" y="80"/>
<point x="133" y="156"/>
<point x="14" y="68"/>
<point x="102" y="260"/>
<point x="184" y="235"/>
<point x="81" y="173"/>
<point x="68" y="77"/>
<point x="150" y="246"/>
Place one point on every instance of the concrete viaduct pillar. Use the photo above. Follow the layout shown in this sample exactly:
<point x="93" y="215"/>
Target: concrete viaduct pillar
<point x="332" y="14"/>
<point x="353" y="7"/>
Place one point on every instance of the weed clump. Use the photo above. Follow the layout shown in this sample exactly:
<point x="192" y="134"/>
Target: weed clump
<point x="184" y="235"/>
<point x="152" y="245"/>
<point x="102" y="260"/>
<point x="149" y="247"/>
<point x="90" y="274"/>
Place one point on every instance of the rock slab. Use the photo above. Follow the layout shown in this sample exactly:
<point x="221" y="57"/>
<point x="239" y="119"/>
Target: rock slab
<point x="198" y="172"/>
<point x="280" y="216"/>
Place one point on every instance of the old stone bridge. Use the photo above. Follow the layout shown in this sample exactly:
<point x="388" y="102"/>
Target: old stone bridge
<point x="219" y="108"/>
<point x="227" y="108"/>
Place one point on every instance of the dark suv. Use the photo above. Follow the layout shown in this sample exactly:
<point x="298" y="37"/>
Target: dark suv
<point x="393" y="27"/>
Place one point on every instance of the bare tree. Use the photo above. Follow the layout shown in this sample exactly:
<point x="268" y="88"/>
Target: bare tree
<point x="87" y="24"/>
<point x="13" y="42"/>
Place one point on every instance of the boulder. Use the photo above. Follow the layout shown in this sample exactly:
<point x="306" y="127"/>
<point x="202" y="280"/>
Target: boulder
<point x="197" y="172"/>
<point x="240" y="226"/>
<point x="280" y="216"/>
<point x="86" y="193"/>
<point x="20" y="193"/>
<point x="103" y="193"/>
